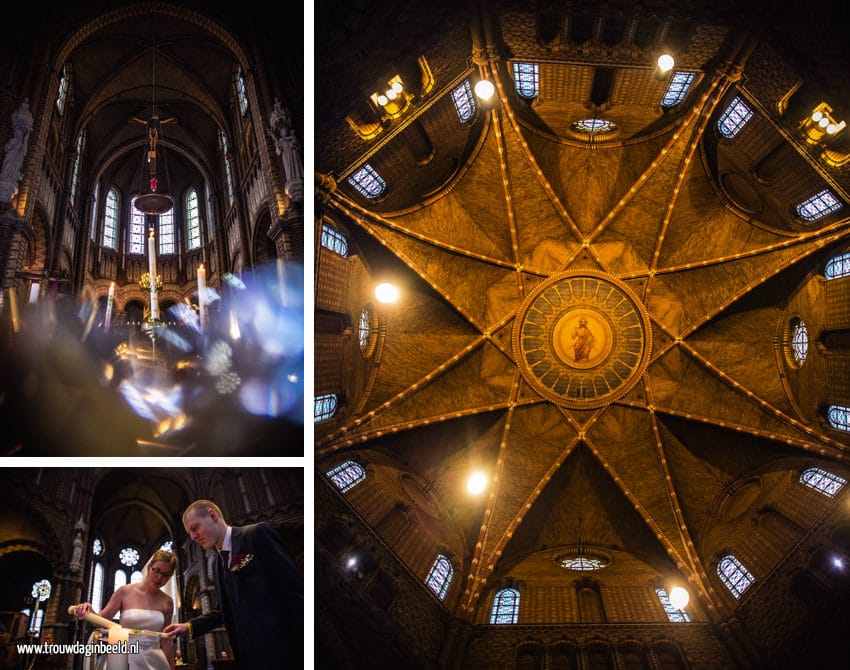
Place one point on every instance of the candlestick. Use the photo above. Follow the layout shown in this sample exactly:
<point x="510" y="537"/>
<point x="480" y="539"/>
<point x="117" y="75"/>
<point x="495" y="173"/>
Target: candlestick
<point x="108" y="320"/>
<point x="152" y="269"/>
<point x="202" y="296"/>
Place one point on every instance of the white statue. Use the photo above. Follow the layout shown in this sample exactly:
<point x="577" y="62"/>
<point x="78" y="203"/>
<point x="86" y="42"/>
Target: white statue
<point x="16" y="150"/>
<point x="289" y="150"/>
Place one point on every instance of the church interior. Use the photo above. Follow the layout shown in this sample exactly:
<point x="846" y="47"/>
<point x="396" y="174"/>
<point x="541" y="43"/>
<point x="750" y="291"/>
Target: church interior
<point x="582" y="307"/>
<point x="79" y="534"/>
<point x="151" y="230"/>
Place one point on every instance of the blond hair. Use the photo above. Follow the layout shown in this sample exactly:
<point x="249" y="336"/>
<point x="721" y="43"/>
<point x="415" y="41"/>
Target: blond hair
<point x="165" y="557"/>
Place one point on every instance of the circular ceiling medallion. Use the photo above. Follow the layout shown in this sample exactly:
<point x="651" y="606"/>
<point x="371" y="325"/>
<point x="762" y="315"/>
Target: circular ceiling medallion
<point x="582" y="339"/>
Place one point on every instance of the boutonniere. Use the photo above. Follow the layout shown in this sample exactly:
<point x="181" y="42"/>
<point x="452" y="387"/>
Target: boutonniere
<point x="240" y="561"/>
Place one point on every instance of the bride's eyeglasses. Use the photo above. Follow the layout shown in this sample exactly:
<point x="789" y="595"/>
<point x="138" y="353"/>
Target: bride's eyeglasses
<point x="161" y="573"/>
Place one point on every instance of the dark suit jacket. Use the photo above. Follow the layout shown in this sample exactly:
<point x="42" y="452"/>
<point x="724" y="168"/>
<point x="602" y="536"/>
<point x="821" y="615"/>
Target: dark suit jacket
<point x="261" y="603"/>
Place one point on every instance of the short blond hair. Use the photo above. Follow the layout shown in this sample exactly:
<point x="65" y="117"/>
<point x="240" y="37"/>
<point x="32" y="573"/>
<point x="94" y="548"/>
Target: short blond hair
<point x="166" y="557"/>
<point x="202" y="507"/>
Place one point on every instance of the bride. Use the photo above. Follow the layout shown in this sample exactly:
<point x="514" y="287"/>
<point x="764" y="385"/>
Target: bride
<point x="143" y="606"/>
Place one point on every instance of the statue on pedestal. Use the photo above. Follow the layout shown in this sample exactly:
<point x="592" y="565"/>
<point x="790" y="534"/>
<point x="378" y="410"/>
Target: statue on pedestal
<point x="289" y="150"/>
<point x="15" y="152"/>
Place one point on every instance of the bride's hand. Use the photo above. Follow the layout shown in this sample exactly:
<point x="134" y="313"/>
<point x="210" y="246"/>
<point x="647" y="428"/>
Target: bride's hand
<point x="82" y="609"/>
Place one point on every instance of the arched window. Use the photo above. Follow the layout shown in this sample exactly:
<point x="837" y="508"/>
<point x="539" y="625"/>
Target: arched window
<point x="675" y="615"/>
<point x="75" y="173"/>
<point x="677" y="89"/>
<point x="527" y="79"/>
<point x="35" y="626"/>
<point x="64" y="81"/>
<point x="464" y="102"/>
<point x="505" y="607"/>
<point x="733" y="118"/>
<point x="823" y="481"/>
<point x="96" y="598"/>
<point x="324" y="407"/>
<point x="346" y="475"/>
<point x="368" y="182"/>
<point x="228" y="176"/>
<point x="93" y="223"/>
<point x="137" y="230"/>
<point x="839" y="417"/>
<point x="110" y="219"/>
<point x="818" y="206"/>
<point x="799" y="340"/>
<point x="167" y="546"/>
<point x="838" y="266"/>
<point x="193" y="220"/>
<point x="120" y="579"/>
<point x="334" y="240"/>
<point x="136" y="577"/>
<point x="166" y="232"/>
<point x="240" y="91"/>
<point x="440" y="577"/>
<point x="734" y="575"/>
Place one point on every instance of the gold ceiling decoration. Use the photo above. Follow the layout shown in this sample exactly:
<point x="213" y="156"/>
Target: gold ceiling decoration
<point x="582" y="339"/>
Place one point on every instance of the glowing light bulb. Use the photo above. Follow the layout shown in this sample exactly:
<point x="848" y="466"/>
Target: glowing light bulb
<point x="824" y="122"/>
<point x="386" y="293"/>
<point x="382" y="100"/>
<point x="679" y="597"/>
<point x="484" y="89"/>
<point x="397" y="87"/>
<point x="476" y="483"/>
<point x="817" y="116"/>
<point x="391" y="94"/>
<point x="666" y="62"/>
<point x="831" y="129"/>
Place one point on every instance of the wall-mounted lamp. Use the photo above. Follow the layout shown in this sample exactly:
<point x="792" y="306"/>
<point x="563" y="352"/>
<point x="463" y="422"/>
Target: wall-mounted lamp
<point x="394" y="100"/>
<point x="484" y="89"/>
<point x="820" y="126"/>
<point x="663" y="66"/>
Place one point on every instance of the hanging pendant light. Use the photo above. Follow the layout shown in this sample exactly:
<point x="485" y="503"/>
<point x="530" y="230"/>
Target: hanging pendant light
<point x="154" y="202"/>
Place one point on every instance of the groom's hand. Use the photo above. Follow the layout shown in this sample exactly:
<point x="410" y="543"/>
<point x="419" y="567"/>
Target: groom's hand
<point x="175" y="629"/>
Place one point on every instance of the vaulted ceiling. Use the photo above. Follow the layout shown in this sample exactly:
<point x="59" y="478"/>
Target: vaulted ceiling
<point x="505" y="232"/>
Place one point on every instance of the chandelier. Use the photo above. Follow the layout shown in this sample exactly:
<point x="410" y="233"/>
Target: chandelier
<point x="145" y="281"/>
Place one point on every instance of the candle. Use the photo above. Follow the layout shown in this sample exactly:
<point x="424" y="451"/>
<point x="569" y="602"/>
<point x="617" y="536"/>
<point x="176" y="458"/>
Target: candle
<point x="152" y="269"/>
<point x="202" y="296"/>
<point x="108" y="320"/>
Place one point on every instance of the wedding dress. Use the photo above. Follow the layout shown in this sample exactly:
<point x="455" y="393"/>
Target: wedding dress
<point x="150" y="656"/>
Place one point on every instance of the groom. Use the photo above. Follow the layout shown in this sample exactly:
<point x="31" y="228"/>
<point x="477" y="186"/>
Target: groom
<point x="260" y="591"/>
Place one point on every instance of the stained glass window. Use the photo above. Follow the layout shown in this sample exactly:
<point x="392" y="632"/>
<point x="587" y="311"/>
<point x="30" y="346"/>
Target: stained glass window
<point x="582" y="563"/>
<point x="733" y="118"/>
<point x="136" y="577"/>
<point x="839" y="417"/>
<point x="120" y="580"/>
<point x="97" y="588"/>
<point x="591" y="126"/>
<point x="64" y="81"/>
<point x="97" y="547"/>
<point x="75" y="173"/>
<point x="240" y="91"/>
<point x="440" y="577"/>
<point x="228" y="175"/>
<point x="166" y="232"/>
<point x="799" y="340"/>
<point x="93" y="223"/>
<point x="167" y="545"/>
<point x="823" y="481"/>
<point x="734" y="575"/>
<point x="364" y="328"/>
<point x="675" y="615"/>
<point x="137" y="229"/>
<point x="110" y="219"/>
<point x="324" y="407"/>
<point x="128" y="556"/>
<point x="677" y="89"/>
<point x="464" y="102"/>
<point x="818" y="206"/>
<point x="193" y="220"/>
<point x="334" y="240"/>
<point x="838" y="266"/>
<point x="505" y="607"/>
<point x="527" y="79"/>
<point x="368" y="182"/>
<point x="347" y="475"/>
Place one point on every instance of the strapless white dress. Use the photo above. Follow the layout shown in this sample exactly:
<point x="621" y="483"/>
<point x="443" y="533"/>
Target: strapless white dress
<point x="150" y="656"/>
